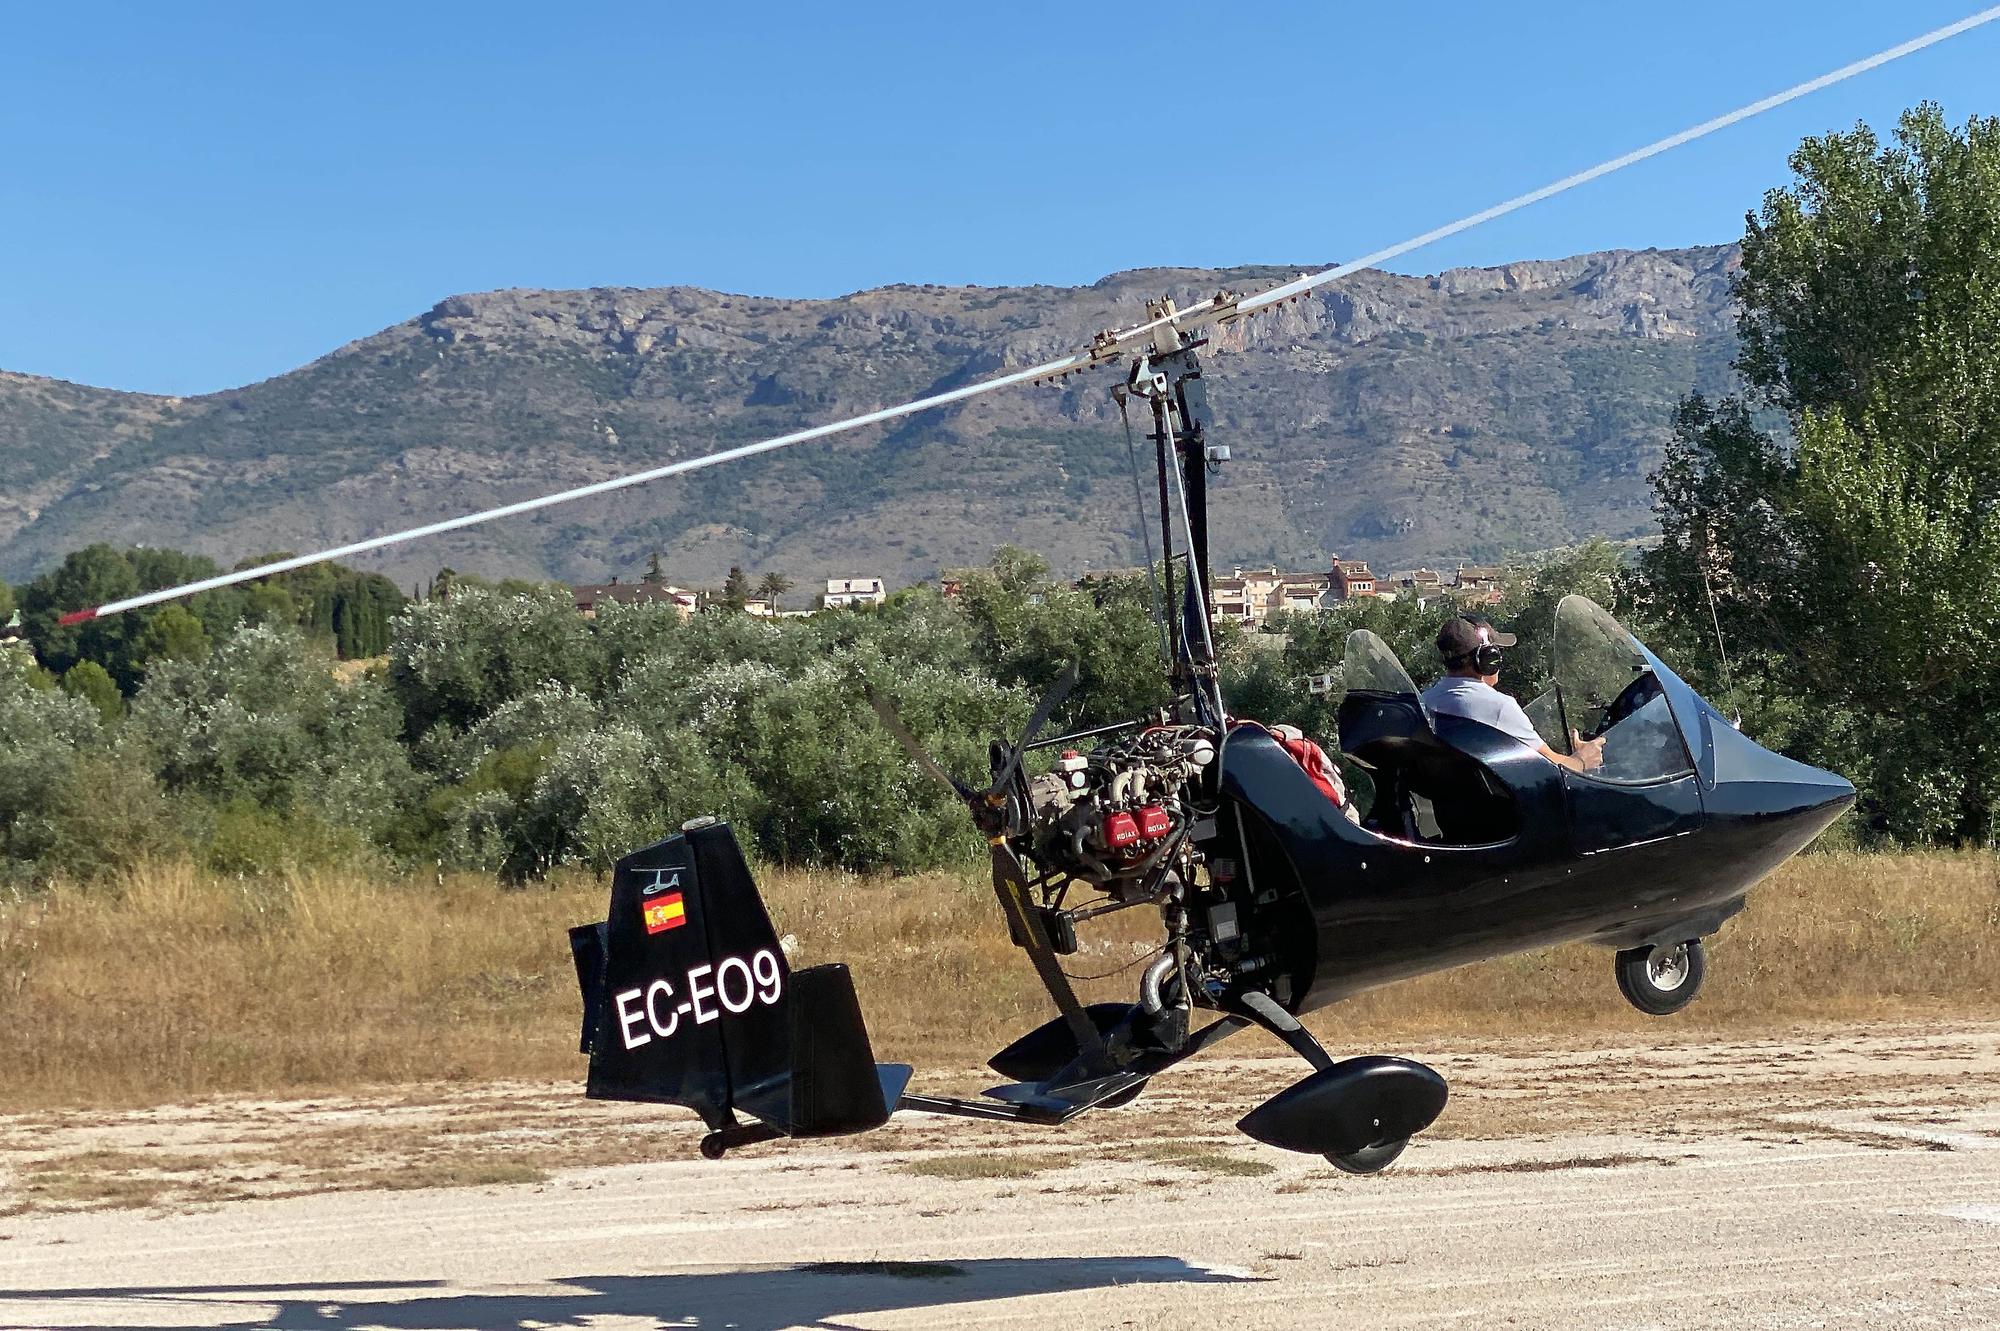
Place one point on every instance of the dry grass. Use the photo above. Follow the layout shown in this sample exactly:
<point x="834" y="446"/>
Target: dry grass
<point x="169" y="984"/>
<point x="985" y="1165"/>
<point x="1203" y="1159"/>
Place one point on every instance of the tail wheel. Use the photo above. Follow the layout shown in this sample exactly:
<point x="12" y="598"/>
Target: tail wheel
<point x="1369" y="1159"/>
<point x="1660" y="981"/>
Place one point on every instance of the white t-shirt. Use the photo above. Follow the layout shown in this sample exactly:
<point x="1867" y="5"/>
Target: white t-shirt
<point x="1455" y="695"/>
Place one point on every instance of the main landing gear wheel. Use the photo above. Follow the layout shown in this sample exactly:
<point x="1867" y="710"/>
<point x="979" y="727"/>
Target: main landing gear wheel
<point x="1662" y="980"/>
<point x="1369" y="1159"/>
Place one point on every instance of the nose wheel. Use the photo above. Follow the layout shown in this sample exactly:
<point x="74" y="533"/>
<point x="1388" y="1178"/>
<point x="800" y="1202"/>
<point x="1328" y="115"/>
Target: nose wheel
<point x="1660" y="981"/>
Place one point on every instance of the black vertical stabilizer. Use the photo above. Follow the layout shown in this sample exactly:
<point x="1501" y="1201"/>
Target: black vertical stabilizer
<point x="688" y="1000"/>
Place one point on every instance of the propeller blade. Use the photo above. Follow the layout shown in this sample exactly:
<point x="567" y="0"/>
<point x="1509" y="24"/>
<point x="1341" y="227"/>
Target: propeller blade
<point x="1025" y="928"/>
<point x="894" y="725"/>
<point x="1036" y="720"/>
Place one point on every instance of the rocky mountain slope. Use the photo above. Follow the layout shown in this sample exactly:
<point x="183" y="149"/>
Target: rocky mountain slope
<point x="1402" y="419"/>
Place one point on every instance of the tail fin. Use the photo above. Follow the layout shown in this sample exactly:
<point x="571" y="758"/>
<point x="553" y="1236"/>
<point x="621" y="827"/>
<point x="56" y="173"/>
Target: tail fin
<point x="688" y="1000"/>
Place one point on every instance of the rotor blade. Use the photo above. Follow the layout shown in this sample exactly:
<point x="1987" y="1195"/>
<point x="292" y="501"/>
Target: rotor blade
<point x="894" y="725"/>
<point x="1108" y="347"/>
<point x="1039" y="718"/>
<point x="1300" y="285"/>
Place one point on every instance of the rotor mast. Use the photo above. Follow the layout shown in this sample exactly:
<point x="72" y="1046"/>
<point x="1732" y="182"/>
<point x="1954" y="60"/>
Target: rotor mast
<point x="1166" y="374"/>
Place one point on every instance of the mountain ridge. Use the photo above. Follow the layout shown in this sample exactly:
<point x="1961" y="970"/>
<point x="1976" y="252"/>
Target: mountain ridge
<point x="1400" y="418"/>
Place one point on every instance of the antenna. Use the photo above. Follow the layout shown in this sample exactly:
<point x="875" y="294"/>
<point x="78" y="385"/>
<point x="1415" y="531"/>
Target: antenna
<point x="1107" y="346"/>
<point x="1703" y="561"/>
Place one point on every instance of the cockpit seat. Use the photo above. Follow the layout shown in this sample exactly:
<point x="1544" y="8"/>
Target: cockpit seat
<point x="1419" y="778"/>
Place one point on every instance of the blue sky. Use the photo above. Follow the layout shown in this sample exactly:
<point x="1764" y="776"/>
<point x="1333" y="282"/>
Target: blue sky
<point x="196" y="196"/>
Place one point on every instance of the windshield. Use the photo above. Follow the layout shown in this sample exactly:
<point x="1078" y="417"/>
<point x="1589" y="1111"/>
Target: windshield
<point x="1371" y="667"/>
<point x="1605" y="688"/>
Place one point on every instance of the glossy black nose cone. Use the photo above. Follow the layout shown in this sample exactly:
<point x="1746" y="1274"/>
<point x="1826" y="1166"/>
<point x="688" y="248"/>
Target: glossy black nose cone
<point x="1792" y="799"/>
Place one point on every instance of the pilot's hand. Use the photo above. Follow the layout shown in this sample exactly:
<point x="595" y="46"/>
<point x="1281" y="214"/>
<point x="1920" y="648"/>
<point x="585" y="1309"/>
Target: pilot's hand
<point x="1589" y="752"/>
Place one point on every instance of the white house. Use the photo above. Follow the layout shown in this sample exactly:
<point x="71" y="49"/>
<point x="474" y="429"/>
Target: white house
<point x="854" y="591"/>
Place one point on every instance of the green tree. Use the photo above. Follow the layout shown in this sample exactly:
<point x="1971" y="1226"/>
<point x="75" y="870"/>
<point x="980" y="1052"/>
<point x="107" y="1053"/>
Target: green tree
<point x="262" y="728"/>
<point x="735" y="588"/>
<point x="773" y="585"/>
<point x="1028" y="629"/>
<point x="87" y="577"/>
<point x="44" y="734"/>
<point x="1596" y="569"/>
<point x="93" y="683"/>
<point x="1848" y="553"/>
<point x="455" y="660"/>
<point x="172" y="634"/>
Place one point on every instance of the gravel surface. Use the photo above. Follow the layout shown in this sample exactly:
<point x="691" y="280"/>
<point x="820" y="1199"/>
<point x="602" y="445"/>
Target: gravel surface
<point x="1835" y="1178"/>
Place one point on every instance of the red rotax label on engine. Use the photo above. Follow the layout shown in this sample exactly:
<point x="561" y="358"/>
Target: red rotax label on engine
<point x="1154" y="823"/>
<point x="1120" y="830"/>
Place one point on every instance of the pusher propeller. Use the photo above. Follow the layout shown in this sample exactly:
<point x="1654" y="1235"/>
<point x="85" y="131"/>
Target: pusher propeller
<point x="984" y="803"/>
<point x="1010" y="879"/>
<point x="1004" y="776"/>
<point x="894" y="725"/>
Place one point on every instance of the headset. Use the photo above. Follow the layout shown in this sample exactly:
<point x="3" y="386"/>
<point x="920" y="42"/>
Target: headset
<point x="1485" y="658"/>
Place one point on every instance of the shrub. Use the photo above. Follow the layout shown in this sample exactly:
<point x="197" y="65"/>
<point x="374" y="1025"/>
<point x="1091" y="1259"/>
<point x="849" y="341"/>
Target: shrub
<point x="43" y="734"/>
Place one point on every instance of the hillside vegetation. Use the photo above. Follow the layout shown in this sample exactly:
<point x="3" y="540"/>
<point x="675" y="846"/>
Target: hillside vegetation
<point x="502" y="731"/>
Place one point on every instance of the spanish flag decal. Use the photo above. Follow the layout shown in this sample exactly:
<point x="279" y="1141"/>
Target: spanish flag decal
<point x="664" y="913"/>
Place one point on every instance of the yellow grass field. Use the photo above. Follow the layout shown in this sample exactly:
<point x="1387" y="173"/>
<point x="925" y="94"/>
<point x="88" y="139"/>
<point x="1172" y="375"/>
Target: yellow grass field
<point x="170" y="984"/>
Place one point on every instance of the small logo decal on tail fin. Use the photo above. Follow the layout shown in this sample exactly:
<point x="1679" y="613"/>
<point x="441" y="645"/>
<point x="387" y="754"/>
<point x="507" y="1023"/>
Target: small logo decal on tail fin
<point x="663" y="913"/>
<point x="662" y="880"/>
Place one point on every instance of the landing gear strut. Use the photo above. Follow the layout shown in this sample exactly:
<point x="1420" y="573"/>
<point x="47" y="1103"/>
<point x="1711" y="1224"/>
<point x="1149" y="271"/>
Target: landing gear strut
<point x="1358" y="1114"/>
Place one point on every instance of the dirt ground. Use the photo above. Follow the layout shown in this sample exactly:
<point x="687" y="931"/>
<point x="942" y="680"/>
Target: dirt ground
<point x="1833" y="1177"/>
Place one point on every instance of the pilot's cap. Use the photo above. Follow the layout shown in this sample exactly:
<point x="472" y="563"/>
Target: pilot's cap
<point x="1462" y="635"/>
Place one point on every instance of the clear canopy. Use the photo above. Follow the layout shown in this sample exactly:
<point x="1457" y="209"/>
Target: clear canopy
<point x="1605" y="688"/>
<point x="1372" y="668"/>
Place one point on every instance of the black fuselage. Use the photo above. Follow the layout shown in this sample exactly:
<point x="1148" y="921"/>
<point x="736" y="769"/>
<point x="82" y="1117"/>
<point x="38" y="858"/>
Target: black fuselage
<point x="1351" y="908"/>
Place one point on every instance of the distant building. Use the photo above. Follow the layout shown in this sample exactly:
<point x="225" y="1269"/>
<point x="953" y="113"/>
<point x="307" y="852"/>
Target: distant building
<point x="1423" y="581"/>
<point x="1300" y="593"/>
<point x="590" y="596"/>
<point x="1252" y="596"/>
<point x="1349" y="580"/>
<point x="1228" y="599"/>
<point x="10" y="632"/>
<point x="1478" y="584"/>
<point x="854" y="591"/>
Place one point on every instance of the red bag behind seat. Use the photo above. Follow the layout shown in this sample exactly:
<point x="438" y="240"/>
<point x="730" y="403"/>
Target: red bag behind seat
<point x="1311" y="759"/>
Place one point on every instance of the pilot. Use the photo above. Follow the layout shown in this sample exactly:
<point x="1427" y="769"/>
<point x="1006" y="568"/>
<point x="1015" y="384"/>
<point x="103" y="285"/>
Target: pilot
<point x="1471" y="650"/>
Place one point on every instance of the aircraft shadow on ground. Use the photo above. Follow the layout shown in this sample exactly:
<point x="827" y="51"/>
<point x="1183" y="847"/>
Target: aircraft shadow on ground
<point x="750" y="1299"/>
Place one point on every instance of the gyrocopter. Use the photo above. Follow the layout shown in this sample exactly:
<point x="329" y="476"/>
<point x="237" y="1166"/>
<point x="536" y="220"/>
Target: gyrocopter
<point x="1276" y="895"/>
